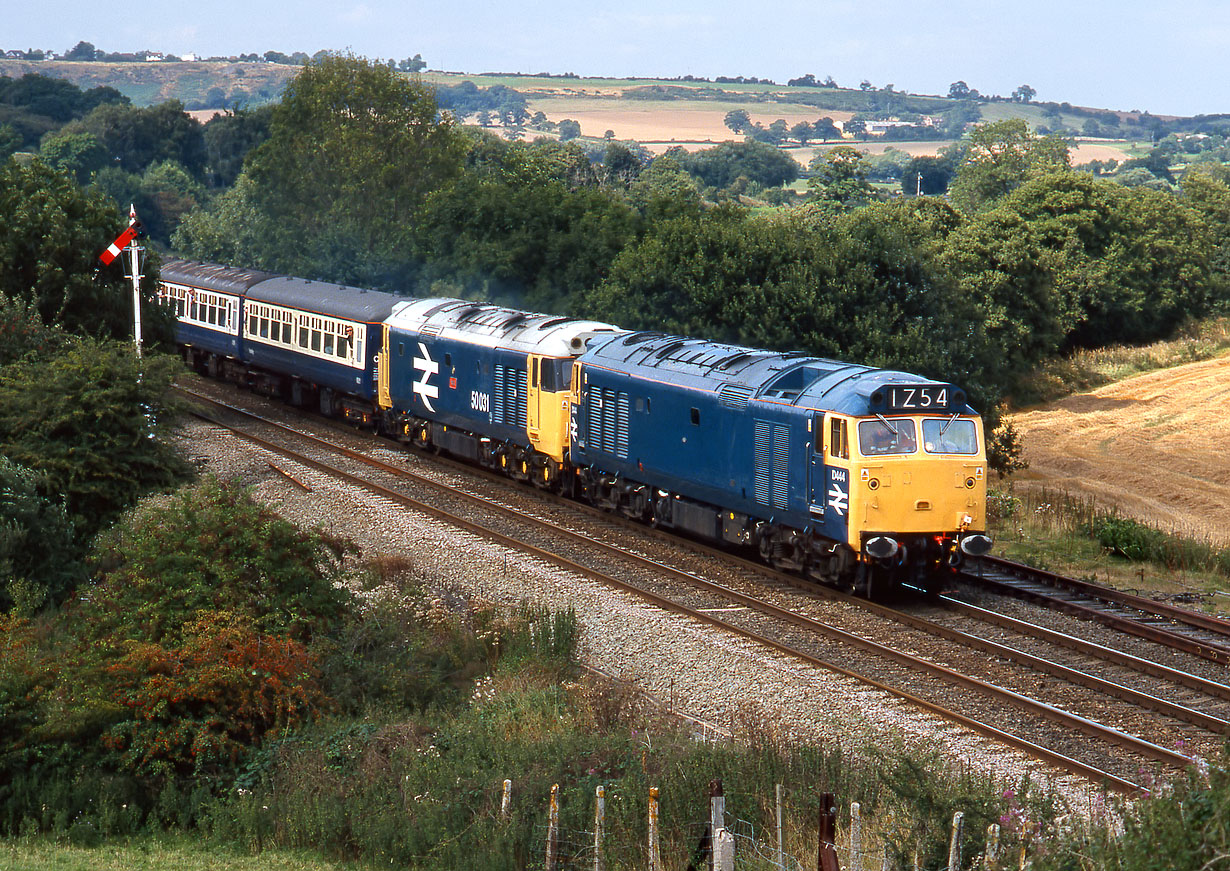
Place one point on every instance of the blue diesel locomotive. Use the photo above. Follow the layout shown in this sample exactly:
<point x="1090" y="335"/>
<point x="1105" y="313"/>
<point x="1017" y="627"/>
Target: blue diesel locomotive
<point x="854" y="476"/>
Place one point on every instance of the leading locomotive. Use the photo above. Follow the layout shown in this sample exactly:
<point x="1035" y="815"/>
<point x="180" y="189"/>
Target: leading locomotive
<point x="857" y="477"/>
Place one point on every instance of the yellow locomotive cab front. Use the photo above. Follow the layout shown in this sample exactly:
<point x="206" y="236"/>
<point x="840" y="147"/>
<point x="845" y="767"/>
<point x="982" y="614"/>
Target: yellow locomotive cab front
<point x="919" y="475"/>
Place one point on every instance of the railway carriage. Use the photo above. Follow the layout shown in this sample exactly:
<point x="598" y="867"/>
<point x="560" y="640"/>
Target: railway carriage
<point x="309" y="342"/>
<point x="208" y="302"/>
<point x="327" y="335"/>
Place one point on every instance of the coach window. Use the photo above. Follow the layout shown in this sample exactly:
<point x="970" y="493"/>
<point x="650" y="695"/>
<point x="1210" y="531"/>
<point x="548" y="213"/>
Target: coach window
<point x="315" y="340"/>
<point x="303" y="337"/>
<point x="288" y="333"/>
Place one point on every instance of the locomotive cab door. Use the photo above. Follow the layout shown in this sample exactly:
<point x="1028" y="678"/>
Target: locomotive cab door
<point x="816" y="478"/>
<point x="829" y="487"/>
<point x="533" y="393"/>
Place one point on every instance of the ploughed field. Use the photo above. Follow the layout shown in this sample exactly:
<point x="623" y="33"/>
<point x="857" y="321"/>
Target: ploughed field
<point x="1155" y="446"/>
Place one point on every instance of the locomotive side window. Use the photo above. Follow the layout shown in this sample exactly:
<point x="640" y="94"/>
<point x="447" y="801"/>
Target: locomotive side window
<point x="839" y="442"/>
<point x="695" y="417"/>
<point x="950" y="436"/>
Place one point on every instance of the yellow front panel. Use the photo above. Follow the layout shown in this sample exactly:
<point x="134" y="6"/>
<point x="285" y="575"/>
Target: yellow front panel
<point x="918" y="492"/>
<point x="553" y="416"/>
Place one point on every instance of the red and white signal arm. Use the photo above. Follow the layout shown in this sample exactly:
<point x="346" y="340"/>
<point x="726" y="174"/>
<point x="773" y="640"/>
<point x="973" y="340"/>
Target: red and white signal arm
<point x="120" y="243"/>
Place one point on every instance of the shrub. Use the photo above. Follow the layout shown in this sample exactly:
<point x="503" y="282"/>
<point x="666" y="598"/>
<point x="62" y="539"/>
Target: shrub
<point x="213" y="548"/>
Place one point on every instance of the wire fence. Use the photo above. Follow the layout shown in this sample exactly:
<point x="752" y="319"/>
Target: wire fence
<point x="785" y="841"/>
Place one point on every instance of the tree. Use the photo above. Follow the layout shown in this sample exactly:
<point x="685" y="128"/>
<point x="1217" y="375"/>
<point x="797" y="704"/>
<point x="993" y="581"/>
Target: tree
<point x="354" y="150"/>
<point x="40" y="556"/>
<point x="134" y="138"/>
<point x="1000" y="157"/>
<point x="49" y="244"/>
<point x="81" y="51"/>
<point x="926" y="175"/>
<point x="719" y="166"/>
<point x="855" y="127"/>
<point x="738" y="120"/>
<point x="94" y="422"/>
<point x="839" y="178"/>
<point x="523" y="228"/>
<point x="79" y="154"/>
<point x="228" y="139"/>
<point x="569" y="129"/>
<point x="1024" y="94"/>
<point x="825" y="129"/>
<point x="802" y="131"/>
<point x="958" y="91"/>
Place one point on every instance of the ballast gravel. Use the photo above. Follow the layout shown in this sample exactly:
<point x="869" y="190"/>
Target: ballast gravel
<point x="729" y="686"/>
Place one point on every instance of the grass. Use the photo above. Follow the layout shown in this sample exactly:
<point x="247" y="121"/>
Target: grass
<point x="153" y="853"/>
<point x="1075" y="536"/>
<point x="1085" y="370"/>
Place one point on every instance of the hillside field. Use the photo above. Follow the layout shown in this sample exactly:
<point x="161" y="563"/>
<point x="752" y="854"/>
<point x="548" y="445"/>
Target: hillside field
<point x="1153" y="446"/>
<point x="690" y="114"/>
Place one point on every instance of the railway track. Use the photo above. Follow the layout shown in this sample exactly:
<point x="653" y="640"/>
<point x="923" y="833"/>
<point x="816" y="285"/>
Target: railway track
<point x="1179" y="628"/>
<point x="1040" y="728"/>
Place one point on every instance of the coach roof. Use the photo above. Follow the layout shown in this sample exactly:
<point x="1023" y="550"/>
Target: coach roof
<point x="211" y="276"/>
<point x="320" y="297"/>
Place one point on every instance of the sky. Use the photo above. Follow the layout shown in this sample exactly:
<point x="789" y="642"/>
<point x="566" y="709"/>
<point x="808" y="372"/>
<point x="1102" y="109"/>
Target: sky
<point x="1168" y="59"/>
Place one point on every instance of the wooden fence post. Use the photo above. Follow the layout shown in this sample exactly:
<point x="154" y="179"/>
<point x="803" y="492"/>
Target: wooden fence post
<point x="553" y="830"/>
<point x="856" y="836"/>
<point x="827" y="860"/>
<point x="954" y="846"/>
<point x="990" y="859"/>
<point x="781" y="852"/>
<point x="655" y="855"/>
<point x="599" y="823"/>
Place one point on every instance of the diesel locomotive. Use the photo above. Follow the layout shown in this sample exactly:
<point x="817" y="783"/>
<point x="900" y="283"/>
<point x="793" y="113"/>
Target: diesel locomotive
<point x="854" y="476"/>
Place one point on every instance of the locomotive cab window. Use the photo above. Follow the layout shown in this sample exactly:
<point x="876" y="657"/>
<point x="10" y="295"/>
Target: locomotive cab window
<point x="950" y="436"/>
<point x="557" y="375"/>
<point x="839" y="442"/>
<point x="884" y="436"/>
